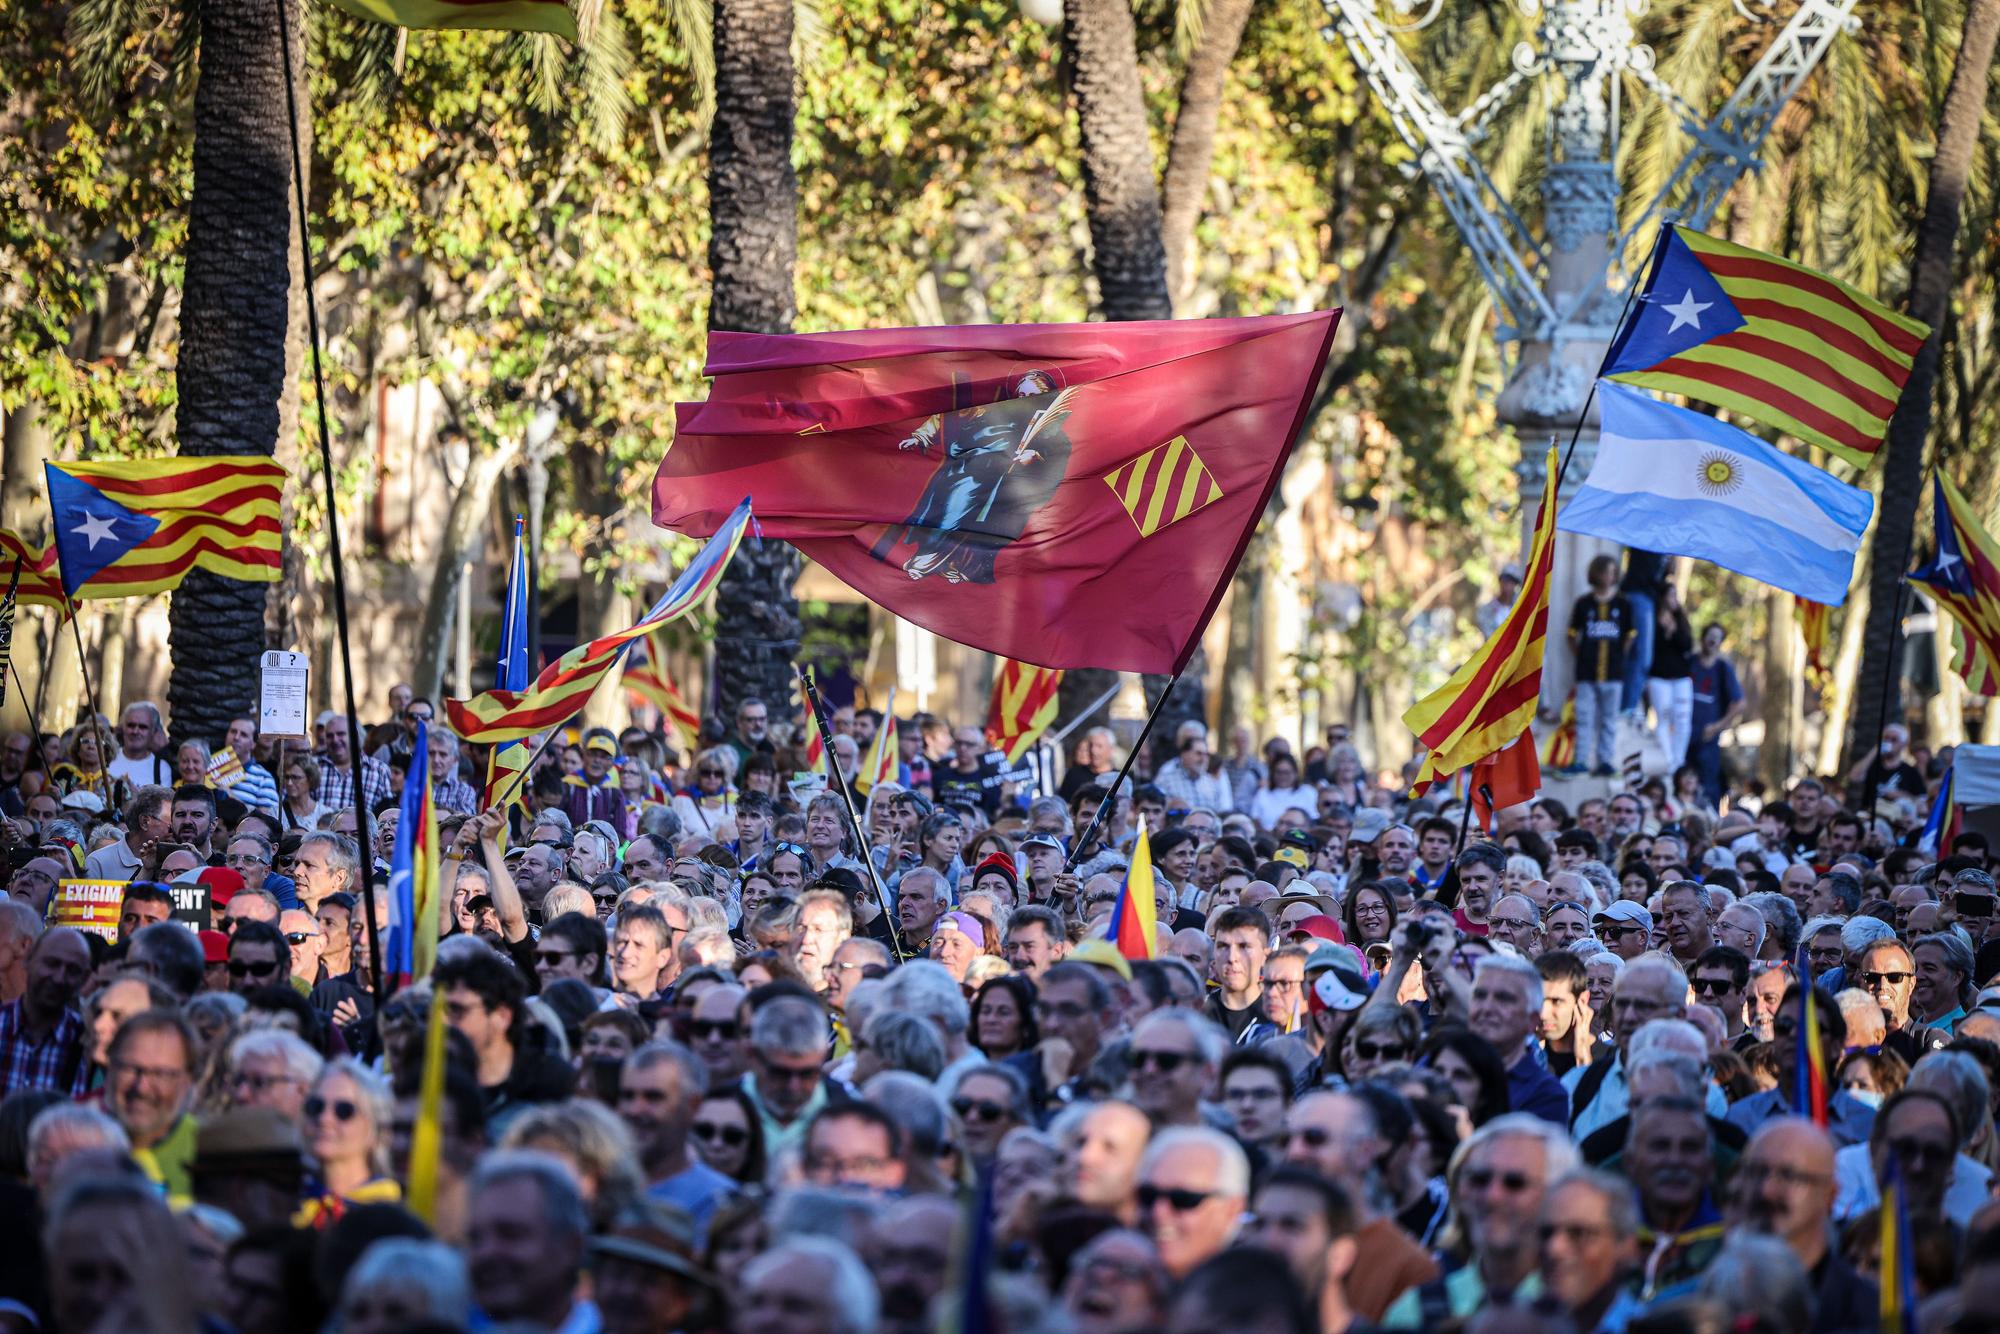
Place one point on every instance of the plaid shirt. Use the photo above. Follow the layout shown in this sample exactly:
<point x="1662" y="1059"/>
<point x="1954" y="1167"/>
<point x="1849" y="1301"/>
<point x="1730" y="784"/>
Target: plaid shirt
<point x="1204" y="792"/>
<point x="455" y="794"/>
<point x="60" y="1062"/>
<point x="336" y="783"/>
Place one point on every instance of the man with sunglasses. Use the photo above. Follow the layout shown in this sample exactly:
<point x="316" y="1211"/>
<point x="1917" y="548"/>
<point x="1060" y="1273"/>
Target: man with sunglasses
<point x="1887" y="971"/>
<point x="717" y="1031"/>
<point x="1173" y="1059"/>
<point x="1193" y="1183"/>
<point x="1721" y="978"/>
<point x="258" y="957"/>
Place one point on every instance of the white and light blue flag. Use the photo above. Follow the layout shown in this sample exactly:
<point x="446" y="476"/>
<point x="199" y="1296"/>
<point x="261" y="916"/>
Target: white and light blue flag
<point x="1675" y="481"/>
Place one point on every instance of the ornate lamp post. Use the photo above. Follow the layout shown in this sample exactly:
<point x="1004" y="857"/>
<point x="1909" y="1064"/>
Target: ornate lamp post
<point x="1559" y="289"/>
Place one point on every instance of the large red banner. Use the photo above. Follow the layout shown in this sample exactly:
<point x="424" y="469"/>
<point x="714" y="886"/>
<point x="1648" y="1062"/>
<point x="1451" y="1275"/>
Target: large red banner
<point x="1069" y="495"/>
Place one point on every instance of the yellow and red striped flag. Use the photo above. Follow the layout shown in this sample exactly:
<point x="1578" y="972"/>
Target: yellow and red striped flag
<point x="650" y="681"/>
<point x="815" y="747"/>
<point x="1491" y="699"/>
<point x="1816" y="628"/>
<point x="140" y="525"/>
<point x="1024" y="706"/>
<point x="1560" y="750"/>
<point x="884" y="758"/>
<point x="40" y="585"/>
<point x="566" y="684"/>
<point x="1964" y="577"/>
<point x="1770" y="339"/>
<point x="508" y="15"/>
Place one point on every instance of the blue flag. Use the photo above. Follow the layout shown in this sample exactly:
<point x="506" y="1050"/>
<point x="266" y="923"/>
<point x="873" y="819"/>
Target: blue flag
<point x="1679" y="482"/>
<point x="399" y="951"/>
<point x="513" y="671"/>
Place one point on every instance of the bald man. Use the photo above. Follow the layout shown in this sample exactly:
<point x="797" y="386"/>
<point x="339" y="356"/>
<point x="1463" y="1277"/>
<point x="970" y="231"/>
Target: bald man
<point x="1784" y="1187"/>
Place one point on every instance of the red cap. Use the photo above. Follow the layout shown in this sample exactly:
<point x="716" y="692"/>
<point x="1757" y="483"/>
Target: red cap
<point x="1319" y="925"/>
<point x="997" y="861"/>
<point x="214" y="946"/>
<point x="222" y="882"/>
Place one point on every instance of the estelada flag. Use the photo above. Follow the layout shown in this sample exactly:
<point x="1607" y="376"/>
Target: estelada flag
<point x="140" y="525"/>
<point x="1024" y="705"/>
<point x="1963" y="576"/>
<point x="1067" y="494"/>
<point x="651" y="682"/>
<point x="509" y="15"/>
<point x="1770" y="339"/>
<point x="1491" y="700"/>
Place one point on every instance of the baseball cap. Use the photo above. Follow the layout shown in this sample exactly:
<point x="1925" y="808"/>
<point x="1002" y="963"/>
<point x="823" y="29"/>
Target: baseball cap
<point x="1339" y="986"/>
<point x="1104" y="954"/>
<point x="1320" y="927"/>
<point x="214" y="946"/>
<point x="1370" y="823"/>
<point x="84" y="800"/>
<point x="601" y="742"/>
<point x="966" y="925"/>
<point x="1042" y="841"/>
<point x="1293" y="856"/>
<point x="223" y="883"/>
<point x="1511" y="570"/>
<point x="1628" y="912"/>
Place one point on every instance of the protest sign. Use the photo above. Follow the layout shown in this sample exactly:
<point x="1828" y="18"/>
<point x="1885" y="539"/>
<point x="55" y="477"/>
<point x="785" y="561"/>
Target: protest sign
<point x="281" y="695"/>
<point x="191" y="905"/>
<point x="88" y="905"/>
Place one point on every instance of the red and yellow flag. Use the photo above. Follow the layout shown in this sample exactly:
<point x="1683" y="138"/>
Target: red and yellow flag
<point x="1491" y="699"/>
<point x="508" y="15"/>
<point x="1024" y="706"/>
<point x="1816" y="628"/>
<point x="1770" y="339"/>
<point x="651" y="682"/>
<point x="40" y="586"/>
<point x="566" y="684"/>
<point x="139" y="526"/>
<point x="1963" y="576"/>
<point x="884" y="758"/>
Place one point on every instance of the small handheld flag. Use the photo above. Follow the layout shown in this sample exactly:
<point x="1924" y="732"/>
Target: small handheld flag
<point x="1133" y="917"/>
<point x="413" y="875"/>
<point x="1025" y="704"/>
<point x="1896" y="1281"/>
<point x="1942" y="828"/>
<point x="881" y="763"/>
<point x="1964" y="577"/>
<point x="427" y="1136"/>
<point x="1810" y="1085"/>
<point x="1770" y="339"/>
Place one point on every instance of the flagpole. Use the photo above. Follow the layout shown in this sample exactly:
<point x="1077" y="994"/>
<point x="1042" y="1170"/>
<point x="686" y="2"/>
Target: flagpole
<point x="354" y="750"/>
<point x="1583" y="414"/>
<point x="814" y="706"/>
<point x="1125" y="770"/>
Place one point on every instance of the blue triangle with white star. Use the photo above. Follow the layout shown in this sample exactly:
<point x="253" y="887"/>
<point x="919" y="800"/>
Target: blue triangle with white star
<point x="1682" y="306"/>
<point x="91" y="529"/>
<point x="1946" y="570"/>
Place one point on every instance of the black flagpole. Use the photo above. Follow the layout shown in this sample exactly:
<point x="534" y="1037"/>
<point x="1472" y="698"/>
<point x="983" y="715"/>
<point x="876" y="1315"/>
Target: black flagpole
<point x="816" y="706"/>
<point x="1124" y="770"/>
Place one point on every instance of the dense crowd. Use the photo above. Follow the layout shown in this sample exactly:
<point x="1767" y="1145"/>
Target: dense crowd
<point x="718" y="1060"/>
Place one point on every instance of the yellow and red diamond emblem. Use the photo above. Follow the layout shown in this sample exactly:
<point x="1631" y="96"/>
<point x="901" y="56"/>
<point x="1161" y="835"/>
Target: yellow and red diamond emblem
<point x="1163" y="485"/>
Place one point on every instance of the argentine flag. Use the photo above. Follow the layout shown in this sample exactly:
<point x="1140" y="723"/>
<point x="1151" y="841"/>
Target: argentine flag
<point x="1675" y="481"/>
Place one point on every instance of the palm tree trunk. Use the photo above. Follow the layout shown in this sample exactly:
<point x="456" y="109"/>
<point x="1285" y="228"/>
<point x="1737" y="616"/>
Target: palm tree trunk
<point x="1121" y="193"/>
<point x="471" y="504"/>
<point x="1930" y="296"/>
<point x="238" y="353"/>
<point x="1193" y="146"/>
<point x="753" y="200"/>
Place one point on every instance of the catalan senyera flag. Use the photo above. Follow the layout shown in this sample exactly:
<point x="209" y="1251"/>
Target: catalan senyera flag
<point x="508" y="15"/>
<point x="411" y="946"/>
<point x="1069" y="495"/>
<point x="1024" y="706"/>
<point x="884" y="759"/>
<point x="1896" y="1281"/>
<point x="1559" y="752"/>
<point x="40" y="586"/>
<point x="1491" y="699"/>
<point x="566" y="684"/>
<point x="139" y="526"/>
<point x="815" y="758"/>
<point x="427" y="1134"/>
<point x="1812" y="1083"/>
<point x="1134" y="917"/>
<point x="1770" y="339"/>
<point x="651" y="682"/>
<point x="7" y="627"/>
<point x="1963" y="575"/>
<point x="1816" y="628"/>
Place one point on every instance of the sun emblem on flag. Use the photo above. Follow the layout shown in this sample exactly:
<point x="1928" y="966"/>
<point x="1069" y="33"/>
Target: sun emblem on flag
<point x="1718" y="475"/>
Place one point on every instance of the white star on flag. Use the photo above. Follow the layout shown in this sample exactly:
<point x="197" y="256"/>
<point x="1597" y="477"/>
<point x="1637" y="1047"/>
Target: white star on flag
<point x="1945" y="560"/>
<point x="97" y="527"/>
<point x="1687" y="312"/>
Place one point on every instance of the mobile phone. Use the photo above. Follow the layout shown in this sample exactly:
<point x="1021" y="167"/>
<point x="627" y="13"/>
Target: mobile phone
<point x="1972" y="905"/>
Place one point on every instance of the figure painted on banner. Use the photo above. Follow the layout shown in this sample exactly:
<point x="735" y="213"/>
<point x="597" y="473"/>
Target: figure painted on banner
<point x="998" y="465"/>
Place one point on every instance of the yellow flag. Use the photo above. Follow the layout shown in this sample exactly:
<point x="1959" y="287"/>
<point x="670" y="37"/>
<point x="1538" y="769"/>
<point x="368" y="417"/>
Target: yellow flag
<point x="427" y="1136"/>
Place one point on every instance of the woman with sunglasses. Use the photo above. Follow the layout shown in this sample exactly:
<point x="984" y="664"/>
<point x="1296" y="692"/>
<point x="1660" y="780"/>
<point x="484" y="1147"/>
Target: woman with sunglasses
<point x="710" y="800"/>
<point x="729" y="1135"/>
<point x="345" y="1124"/>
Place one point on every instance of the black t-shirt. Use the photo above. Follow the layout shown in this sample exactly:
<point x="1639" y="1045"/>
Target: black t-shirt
<point x="949" y="785"/>
<point x="1673" y="651"/>
<point x="1235" y="1020"/>
<point x="1602" y="630"/>
<point x="1905" y="778"/>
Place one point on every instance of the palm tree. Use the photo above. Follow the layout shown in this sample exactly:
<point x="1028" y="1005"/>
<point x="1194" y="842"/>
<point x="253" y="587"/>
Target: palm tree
<point x="753" y="198"/>
<point x="239" y="346"/>
<point x="1930" y="298"/>
<point x="1216" y="33"/>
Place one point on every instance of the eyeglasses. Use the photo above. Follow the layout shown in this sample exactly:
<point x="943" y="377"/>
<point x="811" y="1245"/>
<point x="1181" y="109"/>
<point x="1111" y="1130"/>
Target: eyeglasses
<point x="1882" y="979"/>
<point x="1180" y="1201"/>
<point x="1166" y="1062"/>
<point x="1479" y="1178"/>
<point x="1576" y="1234"/>
<point x="416" y="717"/>
<point x="239" y="968"/>
<point x="1512" y="923"/>
<point x="975" y="1109"/>
<point x="724" y="1029"/>
<point x="316" y="1107"/>
<point x="712" y="1132"/>
<point x="710" y="773"/>
<point x="244" y="859"/>
<point x="1387" y="1051"/>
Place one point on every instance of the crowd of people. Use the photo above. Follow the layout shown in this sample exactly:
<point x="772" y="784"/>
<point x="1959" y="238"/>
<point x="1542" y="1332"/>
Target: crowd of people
<point x="718" y="1059"/>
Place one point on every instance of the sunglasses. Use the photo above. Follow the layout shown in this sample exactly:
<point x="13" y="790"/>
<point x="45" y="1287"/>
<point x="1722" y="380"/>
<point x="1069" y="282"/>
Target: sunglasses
<point x="710" y="773"/>
<point x="238" y="968"/>
<point x="725" y="1029"/>
<point x="1512" y="1182"/>
<point x="300" y="937"/>
<point x="1166" y="1062"/>
<point x="974" y="1109"/>
<point x="1712" y="986"/>
<point x="1180" y="1201"/>
<point x="1387" y="1051"/>
<point x="733" y="1136"/>
<point x="1878" y="979"/>
<point x="316" y="1107"/>
<point x="792" y="848"/>
<point x="553" y="958"/>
